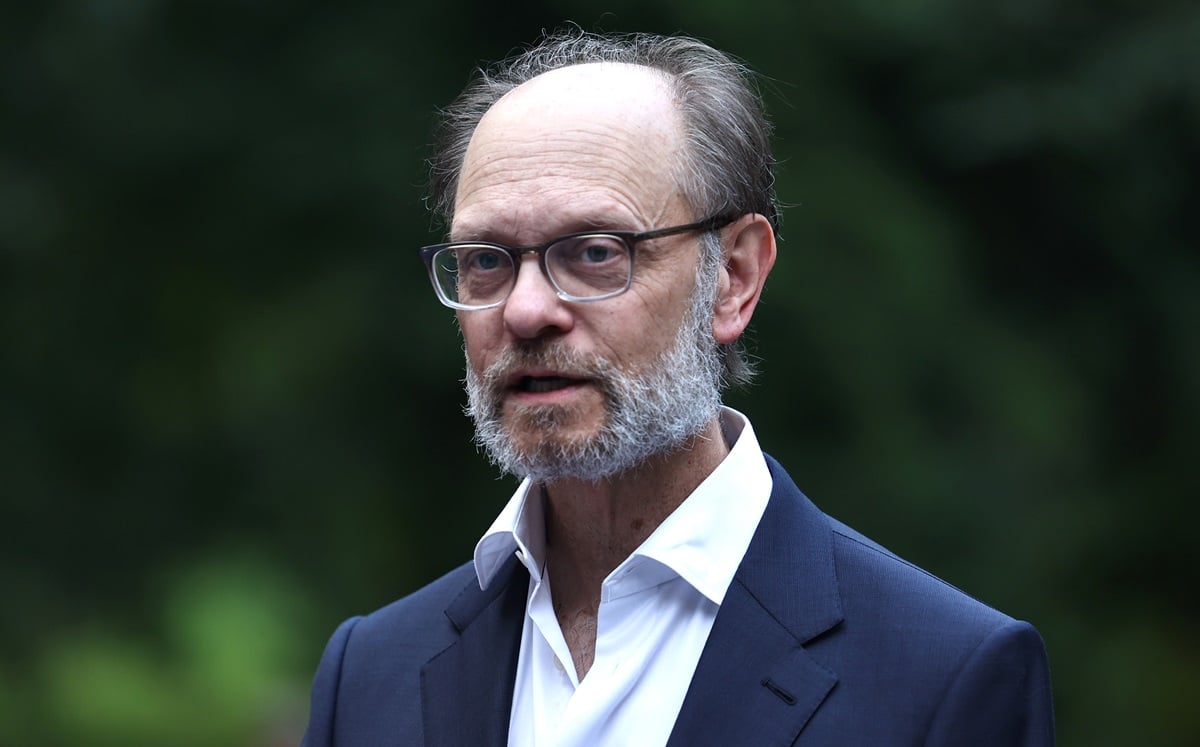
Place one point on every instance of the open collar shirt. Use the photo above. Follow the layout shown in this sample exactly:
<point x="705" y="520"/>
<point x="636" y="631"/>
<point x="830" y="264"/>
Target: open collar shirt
<point x="656" y="608"/>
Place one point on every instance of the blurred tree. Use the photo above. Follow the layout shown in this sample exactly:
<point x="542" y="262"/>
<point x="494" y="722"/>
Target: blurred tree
<point x="232" y="402"/>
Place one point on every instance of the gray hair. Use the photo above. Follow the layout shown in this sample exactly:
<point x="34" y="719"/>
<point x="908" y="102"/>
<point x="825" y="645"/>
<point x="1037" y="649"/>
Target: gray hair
<point x="728" y="166"/>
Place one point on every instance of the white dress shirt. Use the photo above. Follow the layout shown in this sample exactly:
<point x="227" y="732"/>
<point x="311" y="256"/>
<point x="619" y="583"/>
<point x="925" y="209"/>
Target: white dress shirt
<point x="656" y="609"/>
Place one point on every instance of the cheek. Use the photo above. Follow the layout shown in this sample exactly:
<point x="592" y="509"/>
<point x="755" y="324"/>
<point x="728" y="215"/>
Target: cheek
<point x="479" y="359"/>
<point x="650" y="325"/>
<point x="475" y="339"/>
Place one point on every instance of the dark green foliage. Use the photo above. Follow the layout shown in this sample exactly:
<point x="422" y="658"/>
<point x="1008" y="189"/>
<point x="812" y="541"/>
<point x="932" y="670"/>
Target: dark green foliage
<point x="231" y="410"/>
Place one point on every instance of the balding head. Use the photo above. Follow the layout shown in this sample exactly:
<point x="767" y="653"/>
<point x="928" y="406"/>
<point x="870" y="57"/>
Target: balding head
<point x="723" y="164"/>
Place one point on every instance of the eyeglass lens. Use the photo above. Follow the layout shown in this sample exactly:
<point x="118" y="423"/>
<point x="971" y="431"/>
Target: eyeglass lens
<point x="585" y="266"/>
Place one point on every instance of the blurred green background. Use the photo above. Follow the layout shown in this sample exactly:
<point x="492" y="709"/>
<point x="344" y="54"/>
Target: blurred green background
<point x="230" y="409"/>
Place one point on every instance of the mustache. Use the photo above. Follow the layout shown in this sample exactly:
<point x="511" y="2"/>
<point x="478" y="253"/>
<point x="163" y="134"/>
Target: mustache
<point x="527" y="354"/>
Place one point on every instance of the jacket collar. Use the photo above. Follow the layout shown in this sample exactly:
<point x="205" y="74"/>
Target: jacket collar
<point x="755" y="683"/>
<point x="467" y="689"/>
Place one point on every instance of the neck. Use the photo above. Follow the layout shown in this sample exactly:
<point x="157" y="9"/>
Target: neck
<point x="600" y="523"/>
<point x="591" y="527"/>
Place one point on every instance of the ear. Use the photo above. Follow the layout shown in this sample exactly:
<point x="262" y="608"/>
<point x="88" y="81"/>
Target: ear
<point x="749" y="246"/>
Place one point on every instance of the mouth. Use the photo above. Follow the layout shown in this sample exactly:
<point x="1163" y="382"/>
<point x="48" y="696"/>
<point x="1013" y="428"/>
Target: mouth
<point x="542" y="384"/>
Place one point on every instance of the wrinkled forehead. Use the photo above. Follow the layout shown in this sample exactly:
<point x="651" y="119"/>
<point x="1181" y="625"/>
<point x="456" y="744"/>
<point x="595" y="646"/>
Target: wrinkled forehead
<point x="602" y="131"/>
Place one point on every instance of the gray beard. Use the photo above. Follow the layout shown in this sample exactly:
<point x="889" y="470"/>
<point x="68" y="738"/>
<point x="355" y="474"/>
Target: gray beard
<point x="648" y="413"/>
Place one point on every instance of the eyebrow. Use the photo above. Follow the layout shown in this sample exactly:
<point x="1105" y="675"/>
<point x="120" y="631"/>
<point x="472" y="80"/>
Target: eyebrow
<point x="579" y="225"/>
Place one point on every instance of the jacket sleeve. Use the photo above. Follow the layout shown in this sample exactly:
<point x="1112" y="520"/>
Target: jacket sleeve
<point x="1001" y="696"/>
<point x="325" y="688"/>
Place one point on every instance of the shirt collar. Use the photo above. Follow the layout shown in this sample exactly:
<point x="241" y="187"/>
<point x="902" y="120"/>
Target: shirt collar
<point x="520" y="528"/>
<point x="702" y="541"/>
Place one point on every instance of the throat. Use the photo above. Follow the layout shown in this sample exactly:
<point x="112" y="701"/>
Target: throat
<point x="579" y="631"/>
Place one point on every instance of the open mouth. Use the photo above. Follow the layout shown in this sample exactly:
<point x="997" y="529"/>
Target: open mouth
<point x="539" y="384"/>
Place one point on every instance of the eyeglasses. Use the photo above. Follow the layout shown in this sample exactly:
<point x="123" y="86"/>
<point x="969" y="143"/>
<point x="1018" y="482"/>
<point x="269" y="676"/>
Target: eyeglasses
<point x="582" y="267"/>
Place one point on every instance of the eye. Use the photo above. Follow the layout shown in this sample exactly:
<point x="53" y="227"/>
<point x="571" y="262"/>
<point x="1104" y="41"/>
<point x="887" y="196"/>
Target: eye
<point x="596" y="252"/>
<point x="481" y="259"/>
<point x="583" y="251"/>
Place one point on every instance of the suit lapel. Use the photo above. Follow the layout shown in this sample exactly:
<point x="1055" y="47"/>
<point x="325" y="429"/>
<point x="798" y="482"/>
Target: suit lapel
<point x="467" y="689"/>
<point x="755" y="683"/>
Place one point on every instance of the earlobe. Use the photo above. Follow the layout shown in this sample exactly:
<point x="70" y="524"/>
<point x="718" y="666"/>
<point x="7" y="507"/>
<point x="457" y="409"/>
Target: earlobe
<point x="749" y="256"/>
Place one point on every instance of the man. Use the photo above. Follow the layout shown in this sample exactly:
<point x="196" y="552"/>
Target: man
<point x="656" y="579"/>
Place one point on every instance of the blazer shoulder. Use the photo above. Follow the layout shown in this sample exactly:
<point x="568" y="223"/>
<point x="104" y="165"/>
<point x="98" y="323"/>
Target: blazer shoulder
<point x="368" y="681"/>
<point x="976" y="675"/>
<point x="931" y="663"/>
<point x="418" y="617"/>
<point x="870" y="573"/>
<point x="848" y="577"/>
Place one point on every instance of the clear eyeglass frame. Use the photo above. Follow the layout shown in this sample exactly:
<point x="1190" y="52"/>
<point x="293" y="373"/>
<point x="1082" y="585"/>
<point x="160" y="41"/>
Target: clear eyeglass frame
<point x="442" y="263"/>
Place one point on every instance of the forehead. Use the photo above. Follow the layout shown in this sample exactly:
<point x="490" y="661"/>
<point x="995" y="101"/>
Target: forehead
<point x="585" y="146"/>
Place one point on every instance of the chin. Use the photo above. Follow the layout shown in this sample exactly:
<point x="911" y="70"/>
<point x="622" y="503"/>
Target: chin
<point x="549" y="428"/>
<point x="558" y="421"/>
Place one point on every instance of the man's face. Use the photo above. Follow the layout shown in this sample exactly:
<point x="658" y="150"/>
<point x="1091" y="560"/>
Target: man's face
<point x="560" y="389"/>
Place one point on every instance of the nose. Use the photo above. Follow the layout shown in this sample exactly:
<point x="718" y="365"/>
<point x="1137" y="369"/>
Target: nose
<point x="533" y="308"/>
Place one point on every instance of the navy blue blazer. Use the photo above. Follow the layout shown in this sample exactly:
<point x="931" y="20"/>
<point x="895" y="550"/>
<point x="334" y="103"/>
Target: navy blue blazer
<point x="824" y="638"/>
